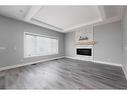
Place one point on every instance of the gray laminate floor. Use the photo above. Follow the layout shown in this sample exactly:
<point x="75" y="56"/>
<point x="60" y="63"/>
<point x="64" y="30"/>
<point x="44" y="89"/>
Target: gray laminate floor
<point x="64" y="74"/>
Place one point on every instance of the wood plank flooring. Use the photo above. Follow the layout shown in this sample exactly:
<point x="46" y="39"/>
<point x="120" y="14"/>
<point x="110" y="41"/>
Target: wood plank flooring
<point x="64" y="74"/>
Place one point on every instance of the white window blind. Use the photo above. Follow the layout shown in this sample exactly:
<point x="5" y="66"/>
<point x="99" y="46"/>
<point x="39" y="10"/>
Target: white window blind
<point x="39" y="45"/>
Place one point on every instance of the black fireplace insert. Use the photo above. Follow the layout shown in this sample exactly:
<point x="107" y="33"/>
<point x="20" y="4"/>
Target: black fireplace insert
<point x="84" y="51"/>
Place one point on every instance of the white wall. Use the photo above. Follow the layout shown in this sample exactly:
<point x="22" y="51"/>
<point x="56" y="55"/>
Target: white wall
<point x="109" y="43"/>
<point x="124" y="44"/>
<point x="108" y="47"/>
<point x="70" y="44"/>
<point x="12" y="37"/>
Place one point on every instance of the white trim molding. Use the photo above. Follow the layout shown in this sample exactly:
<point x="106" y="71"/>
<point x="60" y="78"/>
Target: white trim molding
<point x="78" y="58"/>
<point x="32" y="11"/>
<point x="29" y="63"/>
<point x="125" y="71"/>
<point x="74" y="28"/>
<point x="102" y="12"/>
<point x="108" y="63"/>
<point x="114" y="64"/>
<point x="103" y="62"/>
<point x="98" y="62"/>
<point x="35" y="62"/>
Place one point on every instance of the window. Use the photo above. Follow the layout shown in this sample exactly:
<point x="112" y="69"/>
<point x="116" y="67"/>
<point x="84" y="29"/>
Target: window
<point x="39" y="45"/>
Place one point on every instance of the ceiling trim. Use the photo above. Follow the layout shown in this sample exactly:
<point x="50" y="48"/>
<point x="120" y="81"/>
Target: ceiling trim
<point x="42" y="24"/>
<point x="32" y="11"/>
<point x="82" y="25"/>
<point x="113" y="19"/>
<point x="110" y="20"/>
<point x="102" y="20"/>
<point x="102" y="12"/>
<point x="121" y="12"/>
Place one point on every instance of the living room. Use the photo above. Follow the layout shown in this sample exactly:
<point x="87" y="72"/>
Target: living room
<point x="63" y="47"/>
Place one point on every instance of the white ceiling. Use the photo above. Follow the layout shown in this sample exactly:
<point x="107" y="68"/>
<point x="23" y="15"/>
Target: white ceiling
<point x="66" y="17"/>
<point x="17" y="12"/>
<point x="63" y="18"/>
<point x="112" y="11"/>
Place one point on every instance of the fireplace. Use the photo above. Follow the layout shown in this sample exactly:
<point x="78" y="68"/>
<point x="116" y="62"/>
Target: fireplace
<point x="84" y="51"/>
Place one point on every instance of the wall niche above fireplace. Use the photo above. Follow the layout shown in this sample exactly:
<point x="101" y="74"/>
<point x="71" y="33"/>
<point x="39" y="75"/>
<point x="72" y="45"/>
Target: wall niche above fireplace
<point x="85" y="36"/>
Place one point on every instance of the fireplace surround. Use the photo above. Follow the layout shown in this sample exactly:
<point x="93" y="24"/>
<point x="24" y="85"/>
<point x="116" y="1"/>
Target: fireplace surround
<point x="84" y="52"/>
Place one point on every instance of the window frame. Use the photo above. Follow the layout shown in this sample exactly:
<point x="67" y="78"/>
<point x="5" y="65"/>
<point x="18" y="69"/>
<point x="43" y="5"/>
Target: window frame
<point x="40" y="35"/>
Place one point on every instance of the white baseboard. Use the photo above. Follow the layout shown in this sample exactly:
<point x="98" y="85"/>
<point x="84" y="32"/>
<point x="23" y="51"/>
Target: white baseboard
<point x="108" y="63"/>
<point x="78" y="58"/>
<point x="125" y="72"/>
<point x="24" y="64"/>
<point x="98" y="62"/>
